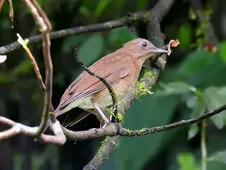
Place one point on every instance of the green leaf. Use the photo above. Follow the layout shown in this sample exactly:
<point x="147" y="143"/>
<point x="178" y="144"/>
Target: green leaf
<point x="193" y="131"/>
<point x="141" y="4"/>
<point x="219" y="157"/>
<point x="100" y="7"/>
<point x="199" y="108"/>
<point x="203" y="68"/>
<point x="215" y="97"/>
<point x="91" y="49"/>
<point x="85" y="11"/>
<point x="185" y="35"/>
<point x="222" y="51"/>
<point x="186" y="161"/>
<point x="116" y="37"/>
<point x="191" y="102"/>
<point x="173" y="88"/>
<point x="197" y="62"/>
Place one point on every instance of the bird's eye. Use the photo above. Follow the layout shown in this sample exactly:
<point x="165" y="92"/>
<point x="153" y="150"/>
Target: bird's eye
<point x="143" y="44"/>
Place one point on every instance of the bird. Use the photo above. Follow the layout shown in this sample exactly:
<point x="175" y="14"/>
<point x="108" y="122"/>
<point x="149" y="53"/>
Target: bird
<point x="120" y="69"/>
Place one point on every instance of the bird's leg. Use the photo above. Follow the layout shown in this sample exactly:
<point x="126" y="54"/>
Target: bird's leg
<point x="105" y="119"/>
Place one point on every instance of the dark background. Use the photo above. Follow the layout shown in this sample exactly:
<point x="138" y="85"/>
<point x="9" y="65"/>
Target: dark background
<point x="193" y="82"/>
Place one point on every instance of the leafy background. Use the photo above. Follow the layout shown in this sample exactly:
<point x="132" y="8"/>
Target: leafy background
<point x="193" y="82"/>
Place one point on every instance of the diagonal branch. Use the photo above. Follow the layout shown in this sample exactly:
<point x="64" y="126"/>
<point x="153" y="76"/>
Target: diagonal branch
<point x="114" y="129"/>
<point x="33" y="62"/>
<point x="106" y="148"/>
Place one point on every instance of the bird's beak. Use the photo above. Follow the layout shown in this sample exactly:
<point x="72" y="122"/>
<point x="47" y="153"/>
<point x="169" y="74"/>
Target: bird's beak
<point x="158" y="50"/>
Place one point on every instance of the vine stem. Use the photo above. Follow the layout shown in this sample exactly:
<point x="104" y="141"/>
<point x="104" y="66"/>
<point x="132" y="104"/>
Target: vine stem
<point x="203" y="146"/>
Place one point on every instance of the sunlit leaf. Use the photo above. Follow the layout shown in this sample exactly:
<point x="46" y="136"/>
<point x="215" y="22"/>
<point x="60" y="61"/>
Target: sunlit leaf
<point x="187" y="161"/>
<point x="100" y="7"/>
<point x="219" y="157"/>
<point x="175" y="88"/>
<point x="199" y="108"/>
<point x="85" y="11"/>
<point x="193" y="131"/>
<point x="215" y="97"/>
<point x="191" y="102"/>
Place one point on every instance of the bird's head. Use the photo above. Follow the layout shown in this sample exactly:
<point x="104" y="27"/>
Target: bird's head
<point x="142" y="49"/>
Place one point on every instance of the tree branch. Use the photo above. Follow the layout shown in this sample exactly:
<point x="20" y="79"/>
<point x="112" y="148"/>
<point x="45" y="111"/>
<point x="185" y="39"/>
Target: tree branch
<point x="115" y="129"/>
<point x="112" y="129"/>
<point x="132" y="17"/>
<point x="18" y="128"/>
<point x="106" y="148"/>
<point x="161" y="9"/>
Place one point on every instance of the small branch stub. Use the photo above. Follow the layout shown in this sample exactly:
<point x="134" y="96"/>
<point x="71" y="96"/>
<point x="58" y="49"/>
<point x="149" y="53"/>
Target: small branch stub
<point x="3" y="58"/>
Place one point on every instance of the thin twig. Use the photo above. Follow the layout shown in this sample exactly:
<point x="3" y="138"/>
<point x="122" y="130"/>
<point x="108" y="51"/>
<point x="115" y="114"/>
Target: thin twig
<point x="2" y="2"/>
<point x="115" y="129"/>
<point x="110" y="89"/>
<point x="6" y="121"/>
<point x="42" y="20"/>
<point x="33" y="62"/>
<point x="11" y="13"/>
<point x="203" y="146"/>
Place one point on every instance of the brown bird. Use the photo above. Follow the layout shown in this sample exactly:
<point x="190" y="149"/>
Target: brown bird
<point x="120" y="69"/>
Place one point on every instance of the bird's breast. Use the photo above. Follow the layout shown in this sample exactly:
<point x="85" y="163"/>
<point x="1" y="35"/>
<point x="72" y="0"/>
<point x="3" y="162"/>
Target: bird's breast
<point x="122" y="89"/>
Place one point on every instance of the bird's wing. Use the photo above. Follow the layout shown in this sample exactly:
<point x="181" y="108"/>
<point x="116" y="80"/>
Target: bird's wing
<point x="87" y="84"/>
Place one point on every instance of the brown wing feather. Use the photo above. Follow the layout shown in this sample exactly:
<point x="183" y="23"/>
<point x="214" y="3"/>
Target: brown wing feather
<point x="87" y="84"/>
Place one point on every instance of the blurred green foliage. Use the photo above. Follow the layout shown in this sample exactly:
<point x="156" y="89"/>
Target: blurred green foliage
<point x="187" y="161"/>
